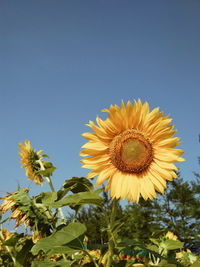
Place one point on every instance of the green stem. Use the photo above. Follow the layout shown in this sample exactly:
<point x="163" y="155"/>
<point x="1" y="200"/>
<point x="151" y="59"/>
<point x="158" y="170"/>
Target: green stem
<point x="111" y="241"/>
<point x="60" y="209"/>
<point x="52" y="189"/>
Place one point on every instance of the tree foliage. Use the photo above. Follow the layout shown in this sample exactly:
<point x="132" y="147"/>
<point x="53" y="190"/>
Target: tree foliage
<point x="177" y="211"/>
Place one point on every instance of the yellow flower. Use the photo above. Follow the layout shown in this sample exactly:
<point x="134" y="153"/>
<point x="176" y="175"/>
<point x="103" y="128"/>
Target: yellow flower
<point x="29" y="160"/>
<point x="171" y="235"/>
<point x="95" y="254"/>
<point x="5" y="234"/>
<point x="36" y="236"/>
<point x="133" y="149"/>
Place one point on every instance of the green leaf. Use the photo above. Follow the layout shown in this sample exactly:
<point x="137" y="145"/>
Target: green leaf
<point x="52" y="264"/>
<point x="47" y="197"/>
<point x="155" y="241"/>
<point x="24" y="253"/>
<point x="165" y="263"/>
<point x="90" y="198"/>
<point x="61" y="238"/>
<point x="64" y="249"/>
<point x="130" y="243"/>
<point x="45" y="156"/>
<point x="21" y="198"/>
<point x="196" y="264"/>
<point x="13" y="240"/>
<point x="170" y="244"/>
<point x="76" y="184"/>
<point x="122" y="263"/>
<point x="48" y="172"/>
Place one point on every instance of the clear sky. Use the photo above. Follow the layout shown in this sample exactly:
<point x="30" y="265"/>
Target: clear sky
<point x="61" y="62"/>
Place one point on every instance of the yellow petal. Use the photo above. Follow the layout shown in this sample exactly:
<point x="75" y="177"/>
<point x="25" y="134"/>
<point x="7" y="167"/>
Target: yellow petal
<point x="95" y="146"/>
<point x="104" y="175"/>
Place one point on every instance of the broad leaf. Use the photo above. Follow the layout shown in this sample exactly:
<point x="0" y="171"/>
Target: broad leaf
<point x="76" y="184"/>
<point x="90" y="198"/>
<point x="46" y="197"/>
<point x="61" y="238"/>
<point x="170" y="244"/>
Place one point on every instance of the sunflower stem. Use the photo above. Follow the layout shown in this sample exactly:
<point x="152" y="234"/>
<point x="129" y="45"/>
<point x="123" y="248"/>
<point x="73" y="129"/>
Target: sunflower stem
<point x="52" y="189"/>
<point x="111" y="241"/>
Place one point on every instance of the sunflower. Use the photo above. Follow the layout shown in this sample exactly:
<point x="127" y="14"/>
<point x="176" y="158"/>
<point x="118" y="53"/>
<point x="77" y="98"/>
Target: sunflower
<point x="4" y="236"/>
<point x="29" y="160"/>
<point x="9" y="203"/>
<point x="133" y="149"/>
<point x="170" y="235"/>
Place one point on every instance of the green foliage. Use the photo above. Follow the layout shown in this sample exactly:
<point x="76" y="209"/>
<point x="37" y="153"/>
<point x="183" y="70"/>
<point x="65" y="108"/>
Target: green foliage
<point x="48" y="169"/>
<point x="52" y="264"/>
<point x="136" y="233"/>
<point x="177" y="211"/>
<point x="77" y="185"/>
<point x="61" y="240"/>
<point x="83" y="198"/>
<point x="13" y="239"/>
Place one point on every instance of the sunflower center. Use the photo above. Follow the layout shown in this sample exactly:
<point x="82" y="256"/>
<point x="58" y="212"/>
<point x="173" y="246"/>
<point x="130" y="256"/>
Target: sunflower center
<point x="131" y="152"/>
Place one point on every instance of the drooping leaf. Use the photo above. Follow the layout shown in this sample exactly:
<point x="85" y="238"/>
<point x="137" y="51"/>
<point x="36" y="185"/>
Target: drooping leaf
<point x="76" y="184"/>
<point x="21" y="197"/>
<point x="60" y="238"/>
<point x="91" y="198"/>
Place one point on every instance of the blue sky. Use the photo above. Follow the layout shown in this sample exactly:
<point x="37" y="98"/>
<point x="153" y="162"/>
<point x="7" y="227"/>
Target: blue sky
<point x="61" y="62"/>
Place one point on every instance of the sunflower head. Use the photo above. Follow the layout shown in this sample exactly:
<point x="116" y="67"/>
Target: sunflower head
<point x="170" y="235"/>
<point x="133" y="149"/>
<point x="10" y="203"/>
<point x="30" y="161"/>
<point x="5" y="234"/>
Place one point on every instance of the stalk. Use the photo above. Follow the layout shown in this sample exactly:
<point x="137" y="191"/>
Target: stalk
<point x="52" y="189"/>
<point x="111" y="241"/>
